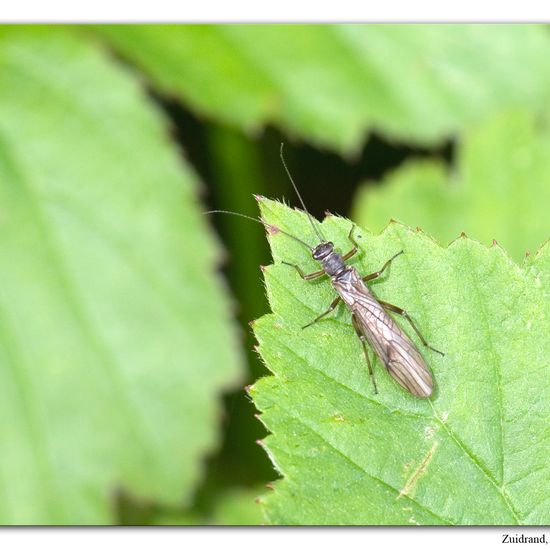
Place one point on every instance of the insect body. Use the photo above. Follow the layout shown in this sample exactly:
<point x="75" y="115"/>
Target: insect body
<point x="371" y="321"/>
<point x="389" y="342"/>
<point x="369" y="315"/>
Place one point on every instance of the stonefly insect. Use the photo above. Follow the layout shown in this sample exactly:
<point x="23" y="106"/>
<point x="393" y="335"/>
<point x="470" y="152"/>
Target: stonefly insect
<point x="369" y="315"/>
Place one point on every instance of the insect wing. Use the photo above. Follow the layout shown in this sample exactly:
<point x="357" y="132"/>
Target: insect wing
<point x="407" y="366"/>
<point x="394" y="348"/>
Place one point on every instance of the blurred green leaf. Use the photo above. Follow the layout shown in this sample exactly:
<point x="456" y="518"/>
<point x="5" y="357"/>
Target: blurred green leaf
<point x="500" y="188"/>
<point x="330" y="84"/>
<point x="238" y="507"/>
<point x="475" y="453"/>
<point x="115" y="336"/>
<point x="232" y="507"/>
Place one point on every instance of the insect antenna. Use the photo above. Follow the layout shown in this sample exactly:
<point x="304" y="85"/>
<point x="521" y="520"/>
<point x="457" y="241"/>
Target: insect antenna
<point x="317" y="231"/>
<point x="265" y="224"/>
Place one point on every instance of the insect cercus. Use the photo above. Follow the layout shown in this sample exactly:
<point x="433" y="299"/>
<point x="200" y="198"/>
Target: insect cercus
<point x="369" y="316"/>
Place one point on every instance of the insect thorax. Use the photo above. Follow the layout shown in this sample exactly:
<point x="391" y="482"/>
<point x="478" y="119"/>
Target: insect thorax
<point x="346" y="275"/>
<point x="333" y="264"/>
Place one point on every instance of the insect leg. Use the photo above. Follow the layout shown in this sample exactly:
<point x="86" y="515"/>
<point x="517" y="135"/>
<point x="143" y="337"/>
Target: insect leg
<point x="353" y="251"/>
<point x="306" y="276"/>
<point x="404" y="314"/>
<point x="361" y="337"/>
<point x="377" y="274"/>
<point x="330" y="308"/>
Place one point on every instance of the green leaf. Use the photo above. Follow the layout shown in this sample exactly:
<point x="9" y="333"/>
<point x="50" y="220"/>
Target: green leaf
<point x="237" y="506"/>
<point x="331" y="84"/>
<point x="115" y="339"/>
<point x="474" y="453"/>
<point x="499" y="189"/>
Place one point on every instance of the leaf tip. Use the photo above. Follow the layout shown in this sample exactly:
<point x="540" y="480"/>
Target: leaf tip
<point x="262" y="268"/>
<point x="260" y="442"/>
<point x="270" y="486"/>
<point x="463" y="235"/>
<point x="328" y="214"/>
<point x="259" y="198"/>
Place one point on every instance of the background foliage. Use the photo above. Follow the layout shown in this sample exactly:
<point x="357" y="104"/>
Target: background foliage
<point x="121" y="368"/>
